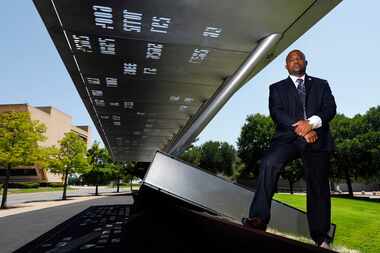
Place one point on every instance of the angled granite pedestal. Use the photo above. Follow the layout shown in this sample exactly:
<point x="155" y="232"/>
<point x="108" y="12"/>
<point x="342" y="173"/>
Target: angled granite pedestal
<point x="184" y="182"/>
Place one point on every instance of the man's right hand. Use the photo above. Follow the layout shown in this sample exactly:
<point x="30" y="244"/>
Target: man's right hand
<point x="302" y="127"/>
<point x="311" y="137"/>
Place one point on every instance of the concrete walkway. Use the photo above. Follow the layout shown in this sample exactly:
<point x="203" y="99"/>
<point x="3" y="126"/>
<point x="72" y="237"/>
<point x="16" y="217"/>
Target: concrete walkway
<point x="37" y="205"/>
<point x="25" y="202"/>
<point x="18" y="198"/>
<point x="19" y="229"/>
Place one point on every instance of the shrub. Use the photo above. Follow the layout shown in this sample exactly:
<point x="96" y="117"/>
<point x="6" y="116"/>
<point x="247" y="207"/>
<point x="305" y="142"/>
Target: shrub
<point x="55" y="184"/>
<point x="24" y="185"/>
<point x="51" y="184"/>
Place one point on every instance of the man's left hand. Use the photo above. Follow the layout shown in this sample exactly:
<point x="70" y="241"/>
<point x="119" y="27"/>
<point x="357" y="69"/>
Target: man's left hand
<point x="311" y="137"/>
<point x="302" y="127"/>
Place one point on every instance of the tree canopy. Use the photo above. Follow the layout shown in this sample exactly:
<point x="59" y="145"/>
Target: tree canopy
<point x="254" y="140"/>
<point x="357" y="147"/>
<point x="214" y="156"/>
<point x="100" y="166"/>
<point x="69" y="157"/>
<point x="19" y="139"/>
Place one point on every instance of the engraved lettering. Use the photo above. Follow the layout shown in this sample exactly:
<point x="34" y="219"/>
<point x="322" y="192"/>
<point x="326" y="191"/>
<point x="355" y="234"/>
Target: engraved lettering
<point x="132" y="21"/>
<point x="107" y="46"/>
<point x="154" y="51"/>
<point x="160" y="24"/>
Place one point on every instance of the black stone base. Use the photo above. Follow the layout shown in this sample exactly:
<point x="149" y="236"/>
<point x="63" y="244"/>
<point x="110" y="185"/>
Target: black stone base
<point x="158" y="223"/>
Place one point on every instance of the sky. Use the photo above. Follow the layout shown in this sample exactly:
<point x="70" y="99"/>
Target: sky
<point x="343" y="47"/>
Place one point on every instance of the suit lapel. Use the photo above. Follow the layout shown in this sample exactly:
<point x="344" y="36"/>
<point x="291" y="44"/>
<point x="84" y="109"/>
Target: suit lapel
<point x="308" y="82"/>
<point x="292" y="90"/>
<point x="293" y="97"/>
<point x="308" y="87"/>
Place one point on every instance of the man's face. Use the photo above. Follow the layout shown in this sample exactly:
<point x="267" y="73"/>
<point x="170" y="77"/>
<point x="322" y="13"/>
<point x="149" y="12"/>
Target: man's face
<point x="295" y="63"/>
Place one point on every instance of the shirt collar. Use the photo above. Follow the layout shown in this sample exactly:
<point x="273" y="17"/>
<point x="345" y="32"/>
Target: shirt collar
<point x="294" y="78"/>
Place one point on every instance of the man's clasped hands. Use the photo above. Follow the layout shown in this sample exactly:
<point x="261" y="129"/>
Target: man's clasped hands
<point x="304" y="129"/>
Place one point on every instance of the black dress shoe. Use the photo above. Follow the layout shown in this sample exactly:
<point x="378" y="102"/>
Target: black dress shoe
<point x="255" y="223"/>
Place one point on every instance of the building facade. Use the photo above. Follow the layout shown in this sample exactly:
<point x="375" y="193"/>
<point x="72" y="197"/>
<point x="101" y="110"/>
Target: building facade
<point x="57" y="124"/>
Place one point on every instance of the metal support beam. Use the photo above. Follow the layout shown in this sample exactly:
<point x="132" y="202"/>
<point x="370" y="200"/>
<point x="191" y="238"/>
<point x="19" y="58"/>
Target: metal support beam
<point x="231" y="85"/>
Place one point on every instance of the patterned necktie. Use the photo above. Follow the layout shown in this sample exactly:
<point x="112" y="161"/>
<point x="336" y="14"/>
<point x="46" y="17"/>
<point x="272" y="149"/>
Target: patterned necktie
<point x="302" y="94"/>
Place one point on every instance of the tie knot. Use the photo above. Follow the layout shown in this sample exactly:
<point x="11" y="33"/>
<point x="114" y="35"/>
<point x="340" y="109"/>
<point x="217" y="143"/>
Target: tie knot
<point x="299" y="81"/>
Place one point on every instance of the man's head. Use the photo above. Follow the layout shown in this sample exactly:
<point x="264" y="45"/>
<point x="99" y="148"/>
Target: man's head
<point x="296" y="63"/>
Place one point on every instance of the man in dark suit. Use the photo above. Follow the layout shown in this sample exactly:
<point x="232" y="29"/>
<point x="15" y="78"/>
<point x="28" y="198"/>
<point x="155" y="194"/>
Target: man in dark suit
<point x="301" y="107"/>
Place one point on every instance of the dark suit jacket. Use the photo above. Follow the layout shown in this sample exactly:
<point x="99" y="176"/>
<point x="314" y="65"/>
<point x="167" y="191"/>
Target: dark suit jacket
<point x="286" y="108"/>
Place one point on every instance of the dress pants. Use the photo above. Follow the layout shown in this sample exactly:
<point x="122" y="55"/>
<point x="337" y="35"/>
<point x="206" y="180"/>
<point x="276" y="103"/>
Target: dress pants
<point x="316" y="168"/>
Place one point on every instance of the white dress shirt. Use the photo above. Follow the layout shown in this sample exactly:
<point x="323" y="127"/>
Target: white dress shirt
<point x="315" y="121"/>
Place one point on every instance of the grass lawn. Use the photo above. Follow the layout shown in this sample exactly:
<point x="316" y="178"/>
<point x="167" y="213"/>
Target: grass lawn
<point x="358" y="221"/>
<point x="39" y="189"/>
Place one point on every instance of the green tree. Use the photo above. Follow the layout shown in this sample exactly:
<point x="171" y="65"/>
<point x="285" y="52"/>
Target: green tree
<point x="118" y="172"/>
<point x="342" y="129"/>
<point x="69" y="158"/>
<point x="358" y="158"/>
<point x="345" y="160"/>
<point x="368" y="154"/>
<point x="238" y="169"/>
<point x="254" y="139"/>
<point x="372" y="118"/>
<point x="369" y="144"/>
<point x="292" y="172"/>
<point x="137" y="169"/>
<point x="210" y="156"/>
<point x="229" y="155"/>
<point x="217" y="157"/>
<point x="192" y="155"/>
<point x="356" y="145"/>
<point x="19" y="137"/>
<point x="132" y="170"/>
<point x="100" y="166"/>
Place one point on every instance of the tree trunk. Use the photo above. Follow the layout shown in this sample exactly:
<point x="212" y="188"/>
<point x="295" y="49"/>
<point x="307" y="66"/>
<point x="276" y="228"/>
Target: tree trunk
<point x="96" y="185"/>
<point x="65" y="184"/>
<point x="5" y="187"/>
<point x="349" y="183"/>
<point x="130" y="185"/>
<point x="332" y="186"/>
<point x="118" y="184"/>
<point x="291" y="187"/>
